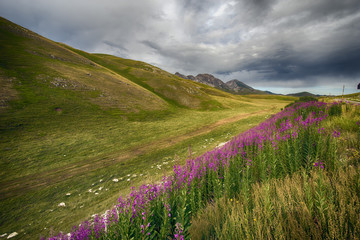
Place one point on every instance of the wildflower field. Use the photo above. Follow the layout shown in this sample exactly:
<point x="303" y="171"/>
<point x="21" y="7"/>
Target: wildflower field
<point x="294" y="176"/>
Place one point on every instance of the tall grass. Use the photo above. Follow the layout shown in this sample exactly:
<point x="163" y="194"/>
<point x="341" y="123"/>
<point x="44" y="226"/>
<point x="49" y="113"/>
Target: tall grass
<point x="307" y="205"/>
<point x="282" y="170"/>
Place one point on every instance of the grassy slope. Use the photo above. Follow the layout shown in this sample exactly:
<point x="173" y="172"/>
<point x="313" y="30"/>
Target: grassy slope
<point x="104" y="101"/>
<point x="189" y="94"/>
<point x="308" y="204"/>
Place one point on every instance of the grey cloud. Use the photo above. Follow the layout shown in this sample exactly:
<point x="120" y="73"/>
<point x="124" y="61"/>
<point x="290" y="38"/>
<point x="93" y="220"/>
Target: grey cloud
<point x="151" y="45"/>
<point x="294" y="43"/>
<point x="115" y="45"/>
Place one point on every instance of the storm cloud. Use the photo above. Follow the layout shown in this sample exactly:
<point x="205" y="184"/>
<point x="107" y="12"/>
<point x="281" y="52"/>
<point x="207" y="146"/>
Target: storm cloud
<point x="279" y="45"/>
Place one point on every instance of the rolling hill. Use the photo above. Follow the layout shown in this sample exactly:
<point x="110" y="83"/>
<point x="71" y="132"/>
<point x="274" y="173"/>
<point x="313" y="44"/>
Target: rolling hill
<point x="303" y="94"/>
<point x="106" y="81"/>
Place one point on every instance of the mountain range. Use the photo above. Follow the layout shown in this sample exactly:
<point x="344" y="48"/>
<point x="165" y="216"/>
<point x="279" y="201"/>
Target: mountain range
<point x="233" y="86"/>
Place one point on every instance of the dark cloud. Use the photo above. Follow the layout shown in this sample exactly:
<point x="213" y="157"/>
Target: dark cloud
<point x="116" y="45"/>
<point x="265" y="43"/>
<point x="152" y="45"/>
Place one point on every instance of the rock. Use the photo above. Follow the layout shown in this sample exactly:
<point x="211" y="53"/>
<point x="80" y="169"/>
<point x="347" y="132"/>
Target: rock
<point x="12" y="235"/>
<point x="221" y="144"/>
<point x="180" y="75"/>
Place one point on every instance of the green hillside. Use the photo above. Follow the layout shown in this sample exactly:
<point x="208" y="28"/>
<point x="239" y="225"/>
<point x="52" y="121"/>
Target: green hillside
<point x="72" y="121"/>
<point x="106" y="81"/>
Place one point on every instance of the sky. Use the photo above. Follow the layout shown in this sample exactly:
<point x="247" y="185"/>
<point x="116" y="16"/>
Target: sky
<point x="284" y="46"/>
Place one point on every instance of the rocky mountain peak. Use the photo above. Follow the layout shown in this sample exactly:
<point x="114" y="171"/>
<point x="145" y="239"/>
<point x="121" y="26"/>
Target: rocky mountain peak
<point x="233" y="86"/>
<point x="211" y="81"/>
<point x="238" y="86"/>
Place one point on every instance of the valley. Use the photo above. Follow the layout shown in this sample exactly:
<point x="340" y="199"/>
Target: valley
<point x="179" y="120"/>
<point x="82" y="129"/>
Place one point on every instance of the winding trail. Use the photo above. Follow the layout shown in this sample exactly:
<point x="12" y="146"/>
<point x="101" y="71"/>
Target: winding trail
<point x="24" y="184"/>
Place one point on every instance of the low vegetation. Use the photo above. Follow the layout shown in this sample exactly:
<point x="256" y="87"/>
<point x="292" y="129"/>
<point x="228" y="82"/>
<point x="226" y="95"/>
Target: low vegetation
<point x="79" y="128"/>
<point x="68" y="148"/>
<point x="303" y="99"/>
<point x="294" y="175"/>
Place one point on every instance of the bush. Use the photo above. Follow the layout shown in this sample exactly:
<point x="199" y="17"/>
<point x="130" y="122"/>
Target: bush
<point x="303" y="99"/>
<point x="308" y="99"/>
<point x="335" y="109"/>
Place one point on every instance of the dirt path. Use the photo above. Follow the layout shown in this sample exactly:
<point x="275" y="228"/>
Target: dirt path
<point x="347" y="100"/>
<point x="24" y="184"/>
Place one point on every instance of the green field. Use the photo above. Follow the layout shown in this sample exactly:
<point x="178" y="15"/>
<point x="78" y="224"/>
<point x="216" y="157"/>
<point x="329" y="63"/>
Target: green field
<point x="71" y="122"/>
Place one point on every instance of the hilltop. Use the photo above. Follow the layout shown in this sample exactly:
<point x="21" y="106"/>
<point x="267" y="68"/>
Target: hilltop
<point x="303" y="94"/>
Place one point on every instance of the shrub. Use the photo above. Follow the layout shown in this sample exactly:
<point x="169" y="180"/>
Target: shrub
<point x="303" y="99"/>
<point x="335" y="109"/>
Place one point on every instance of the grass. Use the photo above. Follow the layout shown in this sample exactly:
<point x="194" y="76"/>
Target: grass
<point x="117" y="117"/>
<point x="120" y="119"/>
<point x="310" y="203"/>
<point x="89" y="135"/>
<point x="315" y="205"/>
<point x="287" y="178"/>
<point x="35" y="208"/>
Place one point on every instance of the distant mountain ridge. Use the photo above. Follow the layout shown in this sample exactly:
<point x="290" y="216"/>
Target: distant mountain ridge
<point x="233" y="86"/>
<point x="302" y="94"/>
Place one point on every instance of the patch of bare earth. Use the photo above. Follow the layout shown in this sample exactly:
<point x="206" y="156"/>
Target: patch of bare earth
<point x="7" y="92"/>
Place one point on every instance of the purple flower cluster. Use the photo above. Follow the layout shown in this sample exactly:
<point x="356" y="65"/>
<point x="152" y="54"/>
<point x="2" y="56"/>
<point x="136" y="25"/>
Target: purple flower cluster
<point x="336" y="134"/>
<point x="178" y="232"/>
<point x="319" y="164"/>
<point x="283" y="126"/>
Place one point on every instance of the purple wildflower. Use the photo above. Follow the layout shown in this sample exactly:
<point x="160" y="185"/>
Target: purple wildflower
<point x="135" y="205"/>
<point x="178" y="232"/>
<point x="336" y="134"/>
<point x="319" y="164"/>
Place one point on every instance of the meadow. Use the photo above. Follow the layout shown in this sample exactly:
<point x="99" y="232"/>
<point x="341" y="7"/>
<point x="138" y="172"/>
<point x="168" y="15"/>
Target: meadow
<point x="295" y="175"/>
<point x="43" y="161"/>
<point x="80" y="129"/>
